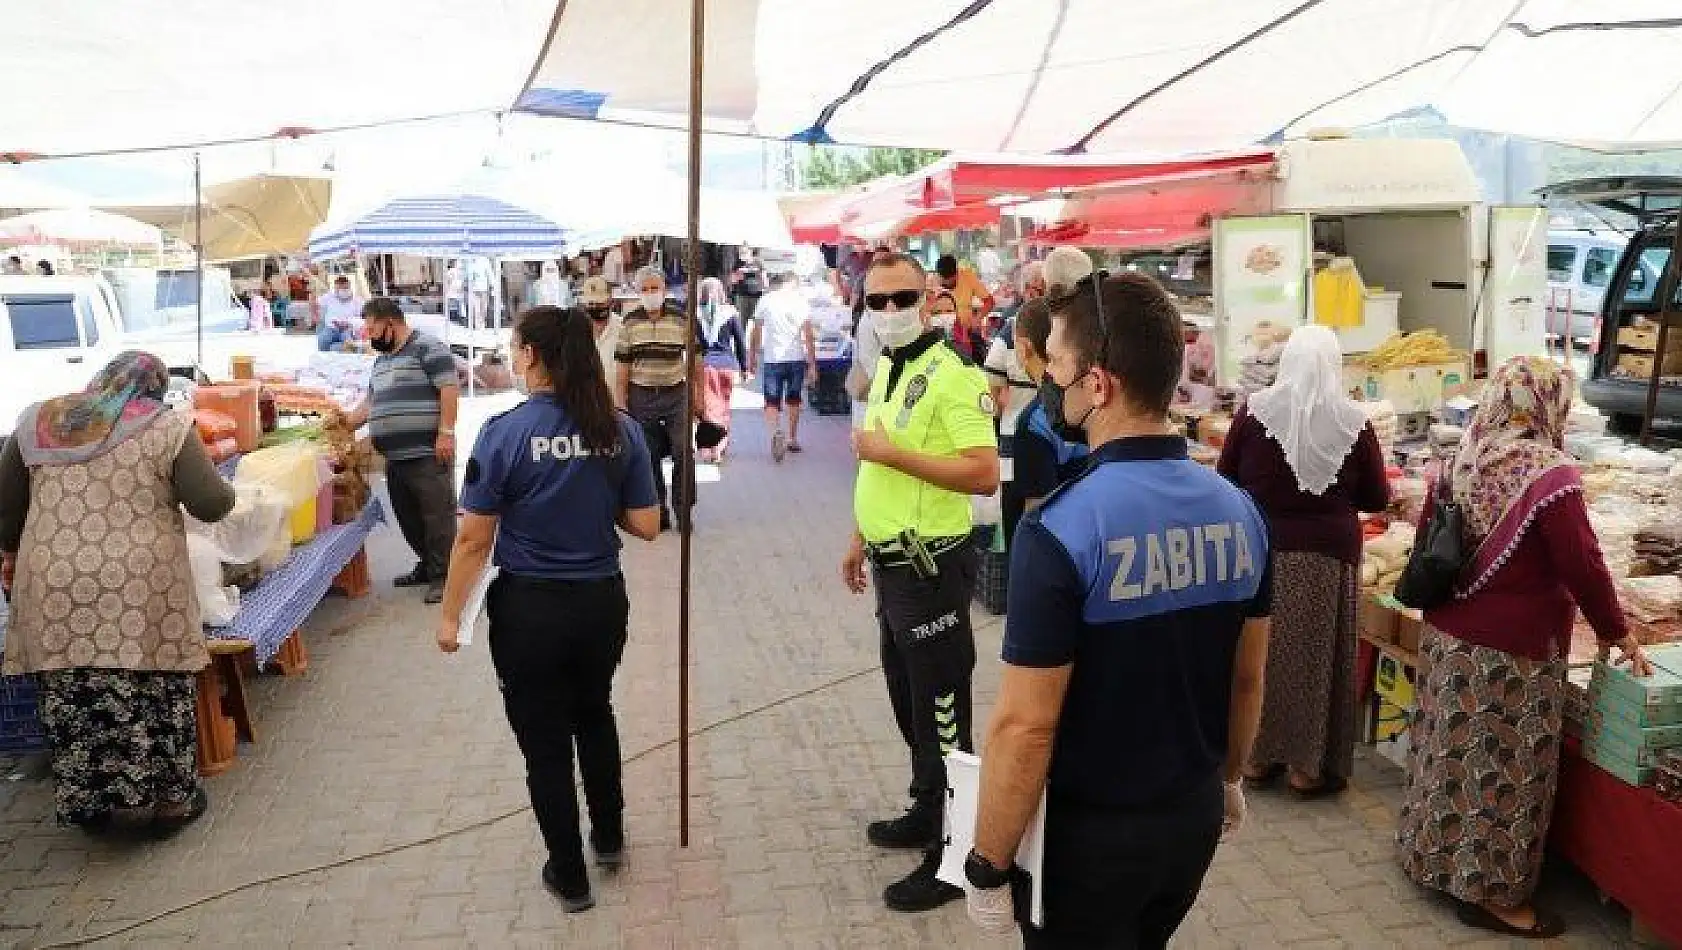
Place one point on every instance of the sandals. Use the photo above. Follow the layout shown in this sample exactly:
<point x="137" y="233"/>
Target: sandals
<point x="166" y="823"/>
<point x="1325" y="788"/>
<point x="1265" y="777"/>
<point x="1547" y="926"/>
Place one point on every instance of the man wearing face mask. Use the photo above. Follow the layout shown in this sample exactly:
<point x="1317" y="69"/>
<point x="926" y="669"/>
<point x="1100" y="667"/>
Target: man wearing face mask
<point x="653" y="380"/>
<point x="925" y="447"/>
<point x="596" y="297"/>
<point x="1045" y="450"/>
<point x="1134" y="649"/>
<point x="410" y="410"/>
<point x="339" y="311"/>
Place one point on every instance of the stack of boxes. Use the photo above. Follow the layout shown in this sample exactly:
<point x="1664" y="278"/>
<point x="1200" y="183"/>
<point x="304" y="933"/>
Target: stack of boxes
<point x="1632" y="722"/>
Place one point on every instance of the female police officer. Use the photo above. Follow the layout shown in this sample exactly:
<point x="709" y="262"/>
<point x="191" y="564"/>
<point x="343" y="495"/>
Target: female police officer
<point x="549" y="480"/>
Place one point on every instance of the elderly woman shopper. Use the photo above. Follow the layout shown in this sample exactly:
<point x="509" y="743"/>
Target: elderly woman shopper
<point x="1480" y="787"/>
<point x="103" y="608"/>
<point x="1306" y="453"/>
<point x="725" y="354"/>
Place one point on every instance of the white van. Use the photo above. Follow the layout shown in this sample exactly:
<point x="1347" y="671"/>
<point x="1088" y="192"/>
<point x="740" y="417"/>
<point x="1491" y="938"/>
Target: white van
<point x="55" y="333"/>
<point x="1580" y="265"/>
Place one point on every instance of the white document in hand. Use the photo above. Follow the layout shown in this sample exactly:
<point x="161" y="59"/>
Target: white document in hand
<point x="475" y="606"/>
<point x="963" y="780"/>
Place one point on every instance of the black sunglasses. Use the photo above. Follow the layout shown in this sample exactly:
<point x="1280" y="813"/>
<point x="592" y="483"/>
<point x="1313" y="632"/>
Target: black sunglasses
<point x="903" y="299"/>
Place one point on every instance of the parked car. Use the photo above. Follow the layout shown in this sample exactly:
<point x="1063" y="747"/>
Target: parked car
<point x="1632" y="292"/>
<point x="1580" y="265"/>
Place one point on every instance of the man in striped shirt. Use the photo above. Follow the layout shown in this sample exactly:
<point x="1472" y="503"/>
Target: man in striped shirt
<point x="411" y="415"/>
<point x="652" y="380"/>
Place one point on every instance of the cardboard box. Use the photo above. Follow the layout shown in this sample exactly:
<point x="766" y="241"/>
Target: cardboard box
<point x="1408" y="629"/>
<point x="1651" y="701"/>
<point x="1640" y="365"/>
<point x="1630" y="773"/>
<point x="1623" y="720"/>
<point x="1376" y="621"/>
<point x="1641" y="336"/>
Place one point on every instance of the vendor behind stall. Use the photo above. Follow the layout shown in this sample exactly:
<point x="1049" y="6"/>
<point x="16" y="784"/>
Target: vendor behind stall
<point x="410" y="410"/>
<point x="104" y="608"/>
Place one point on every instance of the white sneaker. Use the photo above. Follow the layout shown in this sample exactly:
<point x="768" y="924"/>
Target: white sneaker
<point x="779" y="445"/>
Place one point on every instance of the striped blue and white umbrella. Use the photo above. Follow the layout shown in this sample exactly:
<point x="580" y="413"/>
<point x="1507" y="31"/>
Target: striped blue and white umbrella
<point x="443" y="225"/>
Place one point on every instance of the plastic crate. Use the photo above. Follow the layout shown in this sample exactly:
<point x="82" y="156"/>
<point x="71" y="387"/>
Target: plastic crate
<point x="992" y="576"/>
<point x="21" y="729"/>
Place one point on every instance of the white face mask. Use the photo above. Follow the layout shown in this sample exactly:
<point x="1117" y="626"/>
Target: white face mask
<point x="342" y="294"/>
<point x="653" y="302"/>
<point x="944" y="321"/>
<point x="896" y="328"/>
<point x="520" y="385"/>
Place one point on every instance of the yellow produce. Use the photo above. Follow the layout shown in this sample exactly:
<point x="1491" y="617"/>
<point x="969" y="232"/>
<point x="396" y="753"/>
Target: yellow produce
<point x="1420" y="348"/>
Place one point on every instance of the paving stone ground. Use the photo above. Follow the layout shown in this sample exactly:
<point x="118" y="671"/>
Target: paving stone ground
<point x="384" y="742"/>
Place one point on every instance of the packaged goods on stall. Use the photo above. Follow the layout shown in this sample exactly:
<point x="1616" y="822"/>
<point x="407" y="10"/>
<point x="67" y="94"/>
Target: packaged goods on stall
<point x="217" y="604"/>
<point x="1651" y="599"/>
<point x="1383" y="557"/>
<point x="293" y="472"/>
<point x="1648" y="701"/>
<point x="1419" y="348"/>
<point x="1382" y="415"/>
<point x="238" y="401"/>
<point x="1667" y="777"/>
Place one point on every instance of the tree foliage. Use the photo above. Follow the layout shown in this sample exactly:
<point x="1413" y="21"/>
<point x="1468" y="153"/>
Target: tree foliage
<point x="829" y="168"/>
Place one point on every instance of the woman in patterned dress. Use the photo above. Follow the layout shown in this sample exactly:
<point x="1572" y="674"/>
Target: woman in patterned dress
<point x="1480" y="783"/>
<point x="103" y="606"/>
<point x="1306" y="453"/>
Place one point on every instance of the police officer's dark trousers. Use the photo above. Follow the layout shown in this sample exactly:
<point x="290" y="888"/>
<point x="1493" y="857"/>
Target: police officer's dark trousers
<point x="928" y="658"/>
<point x="1122" y="879"/>
<point x="555" y="645"/>
<point x="664" y="427"/>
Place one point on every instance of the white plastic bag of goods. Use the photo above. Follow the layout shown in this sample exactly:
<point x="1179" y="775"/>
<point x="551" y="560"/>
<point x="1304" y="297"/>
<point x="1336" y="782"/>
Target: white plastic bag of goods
<point x="249" y="529"/>
<point x="217" y="604"/>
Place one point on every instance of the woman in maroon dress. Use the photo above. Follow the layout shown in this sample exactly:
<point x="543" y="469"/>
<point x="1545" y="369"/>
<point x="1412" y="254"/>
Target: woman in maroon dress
<point x="1306" y="453"/>
<point x="1480" y="785"/>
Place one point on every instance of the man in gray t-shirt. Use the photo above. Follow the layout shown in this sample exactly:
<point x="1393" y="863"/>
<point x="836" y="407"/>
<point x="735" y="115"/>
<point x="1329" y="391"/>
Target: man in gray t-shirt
<point x="411" y="416"/>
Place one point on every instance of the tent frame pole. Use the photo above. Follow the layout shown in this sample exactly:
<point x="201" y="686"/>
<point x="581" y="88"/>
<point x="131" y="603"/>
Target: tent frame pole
<point x="198" y="261"/>
<point x="685" y="480"/>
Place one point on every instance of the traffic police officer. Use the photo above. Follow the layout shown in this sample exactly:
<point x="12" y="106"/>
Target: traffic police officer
<point x="1134" y="648"/>
<point x="549" y="480"/>
<point x="926" y="445"/>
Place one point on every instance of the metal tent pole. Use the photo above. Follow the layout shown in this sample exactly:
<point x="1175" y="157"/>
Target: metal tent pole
<point x="198" y="260"/>
<point x="686" y="479"/>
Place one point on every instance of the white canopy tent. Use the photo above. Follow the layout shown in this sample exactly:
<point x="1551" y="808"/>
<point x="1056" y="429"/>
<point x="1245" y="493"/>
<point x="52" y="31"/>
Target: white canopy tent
<point x="1101" y="76"/>
<point x="1124" y="76"/>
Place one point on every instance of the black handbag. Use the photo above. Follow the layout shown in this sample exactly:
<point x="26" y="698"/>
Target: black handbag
<point x="1439" y="558"/>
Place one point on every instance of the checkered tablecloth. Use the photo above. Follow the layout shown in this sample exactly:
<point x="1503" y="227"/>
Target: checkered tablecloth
<point x="278" y="605"/>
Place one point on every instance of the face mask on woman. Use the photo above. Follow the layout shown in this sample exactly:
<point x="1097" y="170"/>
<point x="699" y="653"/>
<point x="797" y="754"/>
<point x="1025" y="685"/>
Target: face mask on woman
<point x="342" y="294"/>
<point x="896" y="328"/>
<point x="944" y="321"/>
<point x="652" y="302"/>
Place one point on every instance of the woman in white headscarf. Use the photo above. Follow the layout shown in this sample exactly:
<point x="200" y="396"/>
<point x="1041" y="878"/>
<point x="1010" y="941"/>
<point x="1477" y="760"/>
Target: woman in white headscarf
<point x="1307" y="455"/>
<point x="549" y="290"/>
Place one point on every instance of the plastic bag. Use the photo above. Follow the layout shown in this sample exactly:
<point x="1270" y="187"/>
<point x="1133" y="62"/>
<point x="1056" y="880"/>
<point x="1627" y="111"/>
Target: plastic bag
<point x="249" y="530"/>
<point x="217" y="604"/>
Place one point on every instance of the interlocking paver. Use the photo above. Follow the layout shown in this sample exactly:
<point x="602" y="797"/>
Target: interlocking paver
<point x="384" y="741"/>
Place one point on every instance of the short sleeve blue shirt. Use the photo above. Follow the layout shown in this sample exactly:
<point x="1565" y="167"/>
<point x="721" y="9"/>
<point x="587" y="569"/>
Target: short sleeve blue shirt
<point x="1140" y="573"/>
<point x="557" y="503"/>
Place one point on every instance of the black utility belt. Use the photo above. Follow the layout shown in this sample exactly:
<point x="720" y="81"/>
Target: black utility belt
<point x="903" y="552"/>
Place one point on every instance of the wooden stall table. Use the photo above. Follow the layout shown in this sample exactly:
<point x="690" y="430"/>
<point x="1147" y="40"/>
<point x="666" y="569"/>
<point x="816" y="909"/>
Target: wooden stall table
<point x="1626" y="839"/>
<point x="266" y="632"/>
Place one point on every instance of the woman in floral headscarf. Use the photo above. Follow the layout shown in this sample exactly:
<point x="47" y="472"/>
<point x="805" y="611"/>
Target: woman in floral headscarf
<point x="1480" y="787"/>
<point x="103" y="607"/>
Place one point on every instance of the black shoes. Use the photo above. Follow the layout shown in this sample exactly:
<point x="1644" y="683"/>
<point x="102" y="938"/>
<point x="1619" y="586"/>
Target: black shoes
<point x="415" y="578"/>
<point x="919" y="827"/>
<point x="434" y="592"/>
<point x="665" y="519"/>
<point x="609" y="849"/>
<point x="575" y="897"/>
<point x="920" y="890"/>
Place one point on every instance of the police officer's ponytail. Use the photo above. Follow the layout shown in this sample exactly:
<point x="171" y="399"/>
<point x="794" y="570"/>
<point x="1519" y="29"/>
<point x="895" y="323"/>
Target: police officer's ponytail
<point x="566" y="347"/>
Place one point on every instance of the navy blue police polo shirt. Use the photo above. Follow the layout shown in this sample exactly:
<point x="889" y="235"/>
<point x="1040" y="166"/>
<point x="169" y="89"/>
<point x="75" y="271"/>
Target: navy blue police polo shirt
<point x="1141" y="572"/>
<point x="557" y="503"/>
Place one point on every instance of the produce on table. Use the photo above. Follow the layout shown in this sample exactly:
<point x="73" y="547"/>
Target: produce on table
<point x="1420" y="348"/>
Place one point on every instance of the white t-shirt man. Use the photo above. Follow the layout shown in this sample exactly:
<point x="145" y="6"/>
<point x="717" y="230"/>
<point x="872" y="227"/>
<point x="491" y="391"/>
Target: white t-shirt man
<point x="341" y="313"/>
<point x="784" y="313"/>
